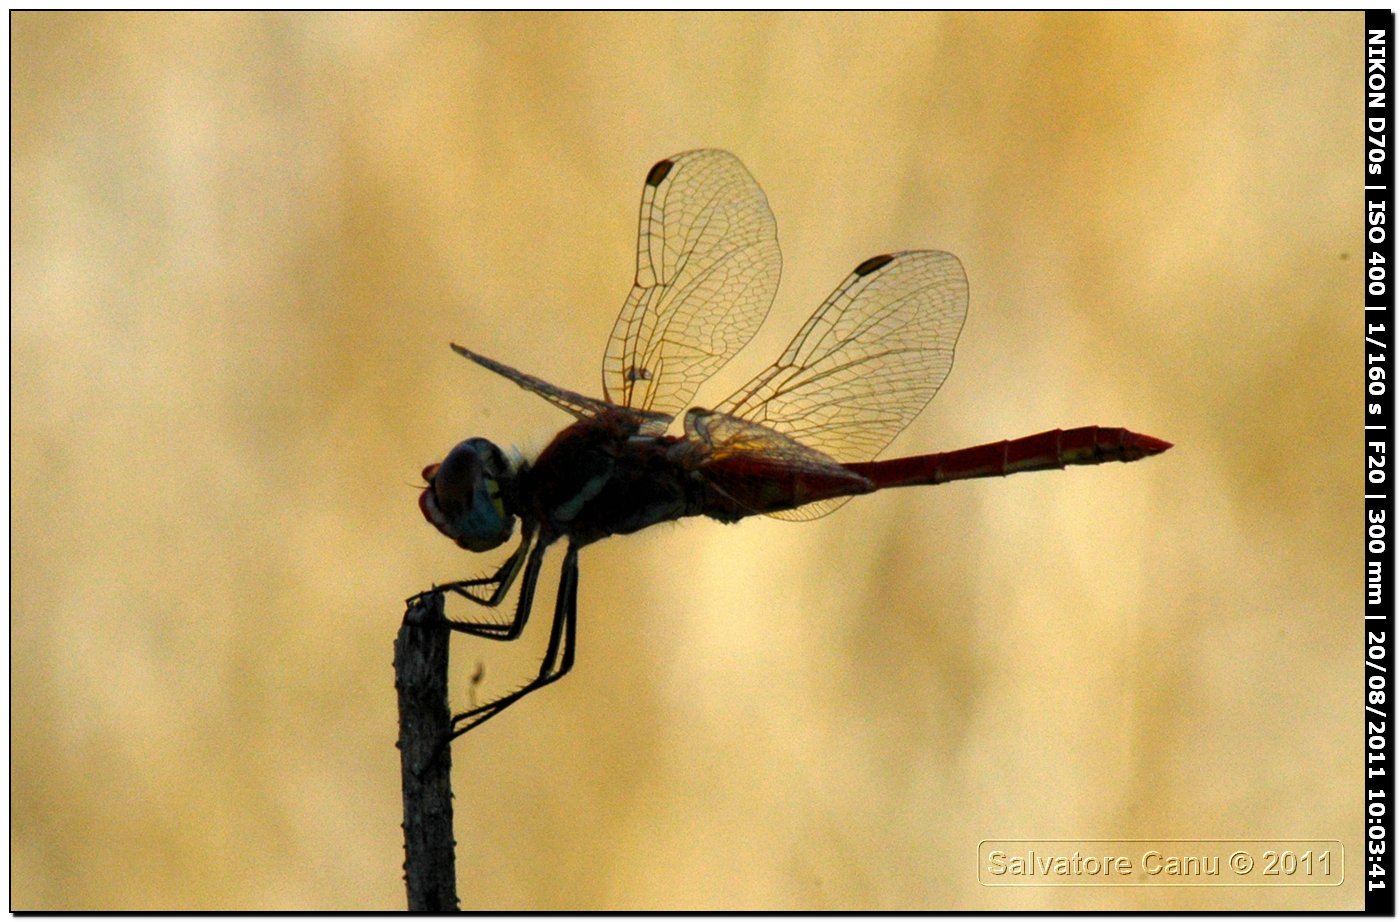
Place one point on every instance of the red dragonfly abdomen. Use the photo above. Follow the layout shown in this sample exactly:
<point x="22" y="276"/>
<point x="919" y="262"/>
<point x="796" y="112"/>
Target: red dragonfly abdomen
<point x="1051" y="450"/>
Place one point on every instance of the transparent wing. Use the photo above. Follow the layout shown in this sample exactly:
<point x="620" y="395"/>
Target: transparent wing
<point x="720" y="437"/>
<point x="866" y="363"/>
<point x="566" y="400"/>
<point x="707" y="270"/>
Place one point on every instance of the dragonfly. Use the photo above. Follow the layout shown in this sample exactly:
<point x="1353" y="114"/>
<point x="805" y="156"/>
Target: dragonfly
<point x="795" y="442"/>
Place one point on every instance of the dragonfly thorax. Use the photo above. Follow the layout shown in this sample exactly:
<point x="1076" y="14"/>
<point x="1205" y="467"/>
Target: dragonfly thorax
<point x="470" y="495"/>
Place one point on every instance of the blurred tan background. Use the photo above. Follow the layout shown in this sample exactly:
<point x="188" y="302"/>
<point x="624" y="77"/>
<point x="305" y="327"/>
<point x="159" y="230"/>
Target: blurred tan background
<point x="241" y="244"/>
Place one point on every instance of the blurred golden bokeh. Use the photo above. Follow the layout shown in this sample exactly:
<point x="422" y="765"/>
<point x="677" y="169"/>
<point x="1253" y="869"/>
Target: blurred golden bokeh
<point x="242" y="242"/>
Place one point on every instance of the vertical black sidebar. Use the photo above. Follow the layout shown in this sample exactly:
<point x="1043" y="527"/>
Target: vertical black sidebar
<point x="1378" y="267"/>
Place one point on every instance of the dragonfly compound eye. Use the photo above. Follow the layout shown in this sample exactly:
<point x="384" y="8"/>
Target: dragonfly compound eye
<point x="468" y="502"/>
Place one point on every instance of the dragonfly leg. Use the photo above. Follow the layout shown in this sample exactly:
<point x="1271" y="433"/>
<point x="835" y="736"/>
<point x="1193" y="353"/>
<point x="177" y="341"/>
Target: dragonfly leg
<point x="558" y="657"/>
<point x="509" y="630"/>
<point x="500" y="583"/>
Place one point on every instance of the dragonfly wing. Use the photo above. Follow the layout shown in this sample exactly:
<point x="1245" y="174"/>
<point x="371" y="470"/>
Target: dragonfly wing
<point x="866" y="363"/>
<point x="721" y="437"/>
<point x="707" y="270"/>
<point x="566" y="400"/>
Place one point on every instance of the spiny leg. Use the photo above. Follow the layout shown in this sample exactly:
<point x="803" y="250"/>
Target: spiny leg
<point x="502" y="579"/>
<point x="512" y="629"/>
<point x="558" y="657"/>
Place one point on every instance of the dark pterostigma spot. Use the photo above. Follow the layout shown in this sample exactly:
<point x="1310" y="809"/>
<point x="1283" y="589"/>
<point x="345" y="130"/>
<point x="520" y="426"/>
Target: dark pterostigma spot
<point x="873" y="263"/>
<point x="659" y="172"/>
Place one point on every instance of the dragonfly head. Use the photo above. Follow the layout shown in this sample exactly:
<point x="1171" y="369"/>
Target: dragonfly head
<point x="469" y="496"/>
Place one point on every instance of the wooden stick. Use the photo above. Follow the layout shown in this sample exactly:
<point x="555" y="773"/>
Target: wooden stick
<point x="425" y="722"/>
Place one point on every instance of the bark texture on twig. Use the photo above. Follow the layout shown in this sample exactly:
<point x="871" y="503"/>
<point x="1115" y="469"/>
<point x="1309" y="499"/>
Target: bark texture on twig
<point x="425" y="721"/>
